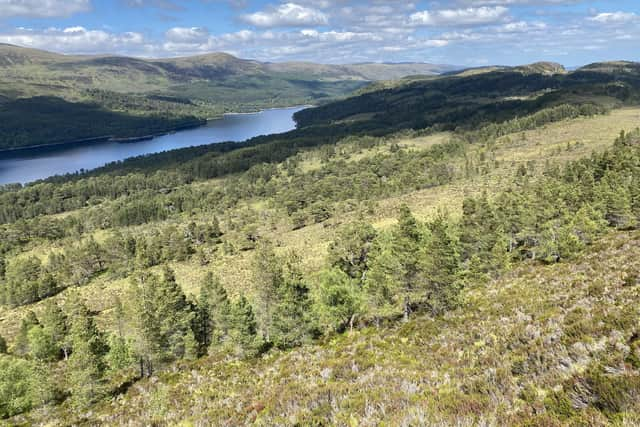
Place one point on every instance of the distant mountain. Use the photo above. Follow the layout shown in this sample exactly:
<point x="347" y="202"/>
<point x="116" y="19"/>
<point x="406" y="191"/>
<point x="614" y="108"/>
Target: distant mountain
<point x="88" y="96"/>
<point x="548" y="68"/>
<point x="213" y="65"/>
<point x="622" y="67"/>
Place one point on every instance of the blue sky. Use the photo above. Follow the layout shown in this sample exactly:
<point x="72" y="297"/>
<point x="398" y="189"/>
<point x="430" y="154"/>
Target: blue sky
<point x="461" y="32"/>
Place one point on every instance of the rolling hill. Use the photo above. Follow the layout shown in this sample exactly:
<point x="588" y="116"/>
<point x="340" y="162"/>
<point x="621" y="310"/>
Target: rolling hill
<point x="147" y="96"/>
<point x="463" y="99"/>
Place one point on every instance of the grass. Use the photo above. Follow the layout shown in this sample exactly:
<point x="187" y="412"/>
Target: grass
<point x="585" y="135"/>
<point x="506" y="356"/>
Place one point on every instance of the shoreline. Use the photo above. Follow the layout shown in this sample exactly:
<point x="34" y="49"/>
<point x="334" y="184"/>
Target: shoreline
<point x="265" y="109"/>
<point x="134" y="139"/>
<point x="105" y="138"/>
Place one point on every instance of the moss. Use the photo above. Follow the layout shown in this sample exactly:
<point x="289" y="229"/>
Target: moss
<point x="558" y="403"/>
<point x="633" y="358"/>
<point x="614" y="393"/>
<point x="577" y="325"/>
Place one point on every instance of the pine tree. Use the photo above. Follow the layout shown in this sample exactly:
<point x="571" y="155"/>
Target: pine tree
<point x="440" y="263"/>
<point x="244" y="329"/>
<point x="292" y="325"/>
<point x="268" y="278"/>
<point x="338" y="300"/>
<point x="215" y="233"/>
<point x="405" y="249"/>
<point x="385" y="278"/>
<point x="147" y="338"/>
<point x="120" y="354"/>
<point x="86" y="363"/>
<point x="174" y="314"/>
<point x="350" y="250"/>
<point x="214" y="309"/>
<point x="54" y="322"/>
<point x="162" y="318"/>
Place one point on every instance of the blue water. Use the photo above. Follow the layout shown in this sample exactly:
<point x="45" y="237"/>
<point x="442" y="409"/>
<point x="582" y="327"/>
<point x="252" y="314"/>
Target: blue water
<point x="29" y="165"/>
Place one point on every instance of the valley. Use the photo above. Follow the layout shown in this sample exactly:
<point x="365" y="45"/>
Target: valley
<point x="68" y="98"/>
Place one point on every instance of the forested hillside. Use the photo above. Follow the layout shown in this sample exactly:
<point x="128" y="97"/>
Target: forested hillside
<point x="49" y="98"/>
<point x="380" y="264"/>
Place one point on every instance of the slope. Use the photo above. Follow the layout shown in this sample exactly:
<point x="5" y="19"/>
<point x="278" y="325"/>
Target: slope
<point x="539" y="243"/>
<point x="552" y="345"/>
<point x="168" y="92"/>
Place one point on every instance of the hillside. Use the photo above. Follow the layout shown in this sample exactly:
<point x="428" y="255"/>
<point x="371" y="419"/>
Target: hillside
<point x="549" y="345"/>
<point x="464" y="100"/>
<point x="468" y="272"/>
<point x="149" y="96"/>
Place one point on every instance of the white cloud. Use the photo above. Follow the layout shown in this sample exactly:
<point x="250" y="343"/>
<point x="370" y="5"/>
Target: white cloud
<point x="76" y="40"/>
<point x="187" y="35"/>
<point x="337" y="36"/>
<point x="615" y="18"/>
<point x="42" y="8"/>
<point x="521" y="27"/>
<point x="460" y="17"/>
<point x="287" y="15"/>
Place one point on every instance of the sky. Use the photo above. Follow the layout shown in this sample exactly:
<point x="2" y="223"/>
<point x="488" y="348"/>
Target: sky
<point x="458" y="32"/>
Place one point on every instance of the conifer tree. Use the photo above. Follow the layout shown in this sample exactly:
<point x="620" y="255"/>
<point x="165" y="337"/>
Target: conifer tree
<point x="54" y="322"/>
<point x="162" y="317"/>
<point x="174" y="314"/>
<point x="120" y="355"/>
<point x="338" y="300"/>
<point x="244" y="329"/>
<point x="350" y="250"/>
<point x="292" y="324"/>
<point x="440" y="263"/>
<point x="396" y="277"/>
<point x="214" y="232"/>
<point x="268" y="278"/>
<point x="386" y="274"/>
<point x="214" y="310"/>
<point x="86" y="363"/>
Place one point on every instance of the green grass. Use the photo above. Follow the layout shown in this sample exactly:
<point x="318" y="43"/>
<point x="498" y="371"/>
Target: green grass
<point x="505" y="357"/>
<point x="592" y="134"/>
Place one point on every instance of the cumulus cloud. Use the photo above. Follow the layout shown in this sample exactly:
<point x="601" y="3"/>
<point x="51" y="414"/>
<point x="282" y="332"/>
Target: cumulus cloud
<point x="287" y="15"/>
<point x="460" y="17"/>
<point x="187" y="35"/>
<point x="521" y="27"/>
<point x="615" y="18"/>
<point x="76" y="40"/>
<point x="42" y="8"/>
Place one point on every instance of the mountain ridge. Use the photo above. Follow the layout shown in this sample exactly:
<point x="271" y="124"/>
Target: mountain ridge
<point x="364" y="70"/>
